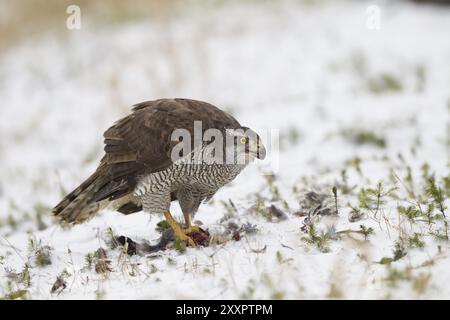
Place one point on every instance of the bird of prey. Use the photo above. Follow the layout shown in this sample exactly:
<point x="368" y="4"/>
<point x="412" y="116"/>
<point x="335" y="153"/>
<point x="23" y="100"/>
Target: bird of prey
<point x="144" y="169"/>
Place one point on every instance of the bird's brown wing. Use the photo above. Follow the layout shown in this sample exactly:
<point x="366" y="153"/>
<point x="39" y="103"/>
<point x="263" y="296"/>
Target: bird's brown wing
<point x="141" y="143"/>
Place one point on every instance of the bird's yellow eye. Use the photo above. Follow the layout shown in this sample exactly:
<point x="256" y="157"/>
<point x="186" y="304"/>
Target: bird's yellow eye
<point x="244" y="140"/>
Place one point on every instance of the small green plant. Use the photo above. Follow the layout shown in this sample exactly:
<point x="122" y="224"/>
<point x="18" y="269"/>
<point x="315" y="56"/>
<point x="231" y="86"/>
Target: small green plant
<point x="152" y="269"/>
<point x="362" y="137"/>
<point x="399" y="252"/>
<point x="25" y="277"/>
<point x="43" y="257"/>
<point x="366" y="232"/>
<point x="281" y="259"/>
<point x="42" y="254"/>
<point x="355" y="214"/>
<point x="319" y="240"/>
<point x="259" y="207"/>
<point x="411" y="212"/>
<point x="162" y="226"/>
<point x="110" y="238"/>
<point x="373" y="198"/>
<point x="442" y="233"/>
<point x="415" y="241"/>
<point x="18" y="294"/>
<point x="383" y="83"/>
<point x="436" y="194"/>
<point x="89" y="259"/>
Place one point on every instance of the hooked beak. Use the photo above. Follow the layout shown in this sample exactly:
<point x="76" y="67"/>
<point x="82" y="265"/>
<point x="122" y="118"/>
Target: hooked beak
<point x="261" y="152"/>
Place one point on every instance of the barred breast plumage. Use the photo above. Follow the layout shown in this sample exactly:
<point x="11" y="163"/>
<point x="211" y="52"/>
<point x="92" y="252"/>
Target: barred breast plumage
<point x="190" y="184"/>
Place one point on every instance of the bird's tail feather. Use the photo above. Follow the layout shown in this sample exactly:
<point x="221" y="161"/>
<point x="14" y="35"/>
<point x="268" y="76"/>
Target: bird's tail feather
<point x="80" y="205"/>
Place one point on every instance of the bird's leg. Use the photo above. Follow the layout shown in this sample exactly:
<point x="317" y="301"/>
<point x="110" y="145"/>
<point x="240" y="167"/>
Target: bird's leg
<point x="187" y="221"/>
<point x="179" y="233"/>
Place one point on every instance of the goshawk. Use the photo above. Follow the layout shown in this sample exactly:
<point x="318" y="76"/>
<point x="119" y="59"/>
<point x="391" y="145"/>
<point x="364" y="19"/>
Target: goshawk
<point x="144" y="167"/>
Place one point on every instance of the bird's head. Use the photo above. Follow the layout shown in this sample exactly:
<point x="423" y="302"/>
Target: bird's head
<point x="248" y="144"/>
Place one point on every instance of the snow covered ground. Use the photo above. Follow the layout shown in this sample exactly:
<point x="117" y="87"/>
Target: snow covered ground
<point x="354" y="106"/>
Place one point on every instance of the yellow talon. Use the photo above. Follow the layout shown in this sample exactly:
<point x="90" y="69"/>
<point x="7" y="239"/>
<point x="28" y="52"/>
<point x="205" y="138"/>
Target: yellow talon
<point x="179" y="233"/>
<point x="182" y="236"/>
<point x="192" y="229"/>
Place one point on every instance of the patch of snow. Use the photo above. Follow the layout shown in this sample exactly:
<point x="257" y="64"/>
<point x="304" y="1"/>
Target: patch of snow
<point x="274" y="67"/>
